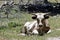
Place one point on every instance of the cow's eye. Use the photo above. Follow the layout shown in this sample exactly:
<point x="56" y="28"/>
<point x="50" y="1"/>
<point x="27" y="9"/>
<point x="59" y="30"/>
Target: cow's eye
<point x="46" y="16"/>
<point x="34" y="17"/>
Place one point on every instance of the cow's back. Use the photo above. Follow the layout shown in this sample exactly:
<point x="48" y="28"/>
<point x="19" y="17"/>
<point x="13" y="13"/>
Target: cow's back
<point x="29" y="25"/>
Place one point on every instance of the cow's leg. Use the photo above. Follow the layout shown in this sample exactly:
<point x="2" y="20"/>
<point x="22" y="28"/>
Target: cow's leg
<point x="46" y="29"/>
<point x="24" y="31"/>
<point x="49" y="31"/>
<point x="35" y="32"/>
<point x="40" y="31"/>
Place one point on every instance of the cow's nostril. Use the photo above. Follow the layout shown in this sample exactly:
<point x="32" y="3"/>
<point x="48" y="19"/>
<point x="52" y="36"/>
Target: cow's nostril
<point x="40" y="25"/>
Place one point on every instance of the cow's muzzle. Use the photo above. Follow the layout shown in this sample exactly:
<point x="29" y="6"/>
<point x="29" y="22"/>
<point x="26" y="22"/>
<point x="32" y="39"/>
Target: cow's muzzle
<point x="40" y="25"/>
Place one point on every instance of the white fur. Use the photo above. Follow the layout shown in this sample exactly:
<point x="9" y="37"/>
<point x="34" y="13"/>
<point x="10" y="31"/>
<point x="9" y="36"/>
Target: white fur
<point x="22" y="34"/>
<point x="35" y="32"/>
<point x="40" y="15"/>
<point x="29" y="25"/>
<point x="49" y="31"/>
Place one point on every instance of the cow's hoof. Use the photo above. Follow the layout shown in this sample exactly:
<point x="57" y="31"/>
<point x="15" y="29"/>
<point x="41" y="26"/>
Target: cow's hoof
<point x="49" y="31"/>
<point x="41" y="34"/>
<point x="22" y="34"/>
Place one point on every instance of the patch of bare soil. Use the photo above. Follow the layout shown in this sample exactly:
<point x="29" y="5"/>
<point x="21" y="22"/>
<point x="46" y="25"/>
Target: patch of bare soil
<point x="53" y="38"/>
<point x="57" y="29"/>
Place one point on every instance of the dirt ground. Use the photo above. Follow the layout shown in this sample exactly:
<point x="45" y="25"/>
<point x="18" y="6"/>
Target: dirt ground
<point x="53" y="38"/>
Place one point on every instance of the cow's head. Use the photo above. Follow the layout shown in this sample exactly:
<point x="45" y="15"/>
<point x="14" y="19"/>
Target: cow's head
<point x="40" y="17"/>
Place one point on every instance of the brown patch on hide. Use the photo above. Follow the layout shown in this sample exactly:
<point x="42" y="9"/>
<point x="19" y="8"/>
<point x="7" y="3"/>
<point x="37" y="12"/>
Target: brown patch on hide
<point x="43" y="30"/>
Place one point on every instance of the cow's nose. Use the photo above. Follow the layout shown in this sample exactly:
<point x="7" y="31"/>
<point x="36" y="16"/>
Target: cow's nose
<point x="40" y="25"/>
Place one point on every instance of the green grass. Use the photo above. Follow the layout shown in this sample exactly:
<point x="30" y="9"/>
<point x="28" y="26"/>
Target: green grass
<point x="7" y="33"/>
<point x="13" y="33"/>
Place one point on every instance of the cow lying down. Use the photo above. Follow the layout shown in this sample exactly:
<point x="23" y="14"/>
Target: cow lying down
<point x="39" y="26"/>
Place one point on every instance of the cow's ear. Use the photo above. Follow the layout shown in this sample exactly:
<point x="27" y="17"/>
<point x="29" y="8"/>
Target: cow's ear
<point x="34" y="16"/>
<point x="46" y="16"/>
